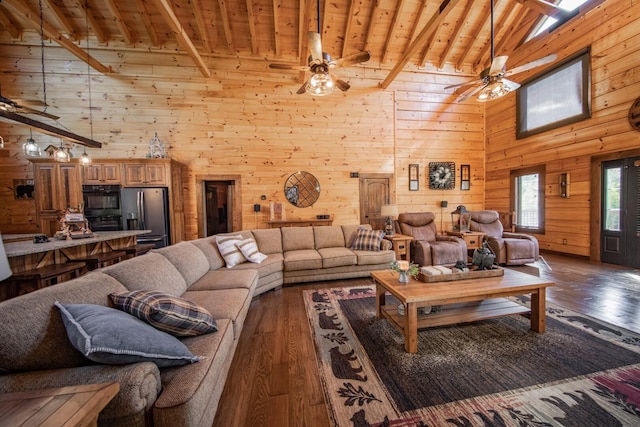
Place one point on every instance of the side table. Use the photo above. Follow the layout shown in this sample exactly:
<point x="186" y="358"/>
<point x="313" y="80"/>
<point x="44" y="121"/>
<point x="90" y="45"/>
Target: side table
<point x="65" y="406"/>
<point x="473" y="239"/>
<point x="401" y="245"/>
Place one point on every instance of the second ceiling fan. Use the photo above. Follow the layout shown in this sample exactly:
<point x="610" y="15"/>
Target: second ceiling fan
<point x="322" y="80"/>
<point x="491" y="83"/>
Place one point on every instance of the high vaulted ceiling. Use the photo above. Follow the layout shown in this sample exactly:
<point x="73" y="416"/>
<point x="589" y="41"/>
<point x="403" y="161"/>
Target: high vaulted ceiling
<point x="441" y="36"/>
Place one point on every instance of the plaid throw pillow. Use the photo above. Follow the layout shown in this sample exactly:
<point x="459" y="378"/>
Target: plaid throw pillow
<point x="367" y="240"/>
<point x="174" y="315"/>
<point x="229" y="251"/>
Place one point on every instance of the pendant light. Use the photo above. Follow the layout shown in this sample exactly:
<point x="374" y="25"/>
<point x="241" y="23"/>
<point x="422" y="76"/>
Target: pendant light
<point x="496" y="88"/>
<point x="62" y="154"/>
<point x="320" y="83"/>
<point x="85" y="160"/>
<point x="30" y="148"/>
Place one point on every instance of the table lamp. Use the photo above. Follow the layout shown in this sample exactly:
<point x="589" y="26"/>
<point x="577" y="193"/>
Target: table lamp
<point x="389" y="211"/>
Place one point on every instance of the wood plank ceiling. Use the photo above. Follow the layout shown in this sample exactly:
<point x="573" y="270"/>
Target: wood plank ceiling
<point x="447" y="36"/>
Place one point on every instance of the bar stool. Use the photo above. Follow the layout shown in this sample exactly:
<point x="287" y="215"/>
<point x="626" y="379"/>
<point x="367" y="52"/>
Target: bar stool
<point x="139" y="249"/>
<point x="103" y="259"/>
<point x="41" y="277"/>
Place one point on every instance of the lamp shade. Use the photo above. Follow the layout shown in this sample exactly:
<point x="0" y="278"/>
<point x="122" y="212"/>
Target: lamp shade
<point x="5" y="270"/>
<point x="389" y="210"/>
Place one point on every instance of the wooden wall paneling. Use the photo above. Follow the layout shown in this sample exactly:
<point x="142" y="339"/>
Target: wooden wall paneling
<point x="612" y="34"/>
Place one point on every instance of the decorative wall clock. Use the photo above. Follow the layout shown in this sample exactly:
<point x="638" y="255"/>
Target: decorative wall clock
<point x="634" y="115"/>
<point x="442" y="175"/>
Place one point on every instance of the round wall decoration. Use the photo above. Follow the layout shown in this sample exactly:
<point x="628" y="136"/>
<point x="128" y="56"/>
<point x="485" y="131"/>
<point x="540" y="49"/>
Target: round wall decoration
<point x="634" y="115"/>
<point x="442" y="175"/>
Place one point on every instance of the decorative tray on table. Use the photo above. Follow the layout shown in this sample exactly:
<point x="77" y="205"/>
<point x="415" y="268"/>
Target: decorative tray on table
<point x="473" y="273"/>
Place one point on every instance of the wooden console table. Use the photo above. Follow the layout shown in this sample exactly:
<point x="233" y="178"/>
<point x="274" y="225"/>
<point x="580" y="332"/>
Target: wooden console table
<point x="65" y="406"/>
<point x="299" y="222"/>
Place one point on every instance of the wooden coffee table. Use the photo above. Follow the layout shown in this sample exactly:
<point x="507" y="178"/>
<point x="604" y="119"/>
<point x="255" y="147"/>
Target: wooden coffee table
<point x="65" y="406"/>
<point x="464" y="301"/>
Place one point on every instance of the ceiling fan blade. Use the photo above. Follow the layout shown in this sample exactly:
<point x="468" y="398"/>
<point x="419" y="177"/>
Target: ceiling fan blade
<point x="533" y="64"/>
<point x="31" y="102"/>
<point x="469" y="93"/>
<point x="511" y="84"/>
<point x="276" y="66"/>
<point x="341" y="84"/>
<point x="302" y="88"/>
<point x="27" y="110"/>
<point x="499" y="65"/>
<point x="315" y="47"/>
<point x="356" y="58"/>
<point x="467" y="83"/>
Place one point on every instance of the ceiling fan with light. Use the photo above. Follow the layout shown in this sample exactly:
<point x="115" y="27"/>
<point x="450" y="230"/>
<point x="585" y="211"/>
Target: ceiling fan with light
<point x="322" y="80"/>
<point x="491" y="83"/>
<point x="21" y="106"/>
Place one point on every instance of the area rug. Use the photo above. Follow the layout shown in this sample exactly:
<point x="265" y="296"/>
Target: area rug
<point x="580" y="372"/>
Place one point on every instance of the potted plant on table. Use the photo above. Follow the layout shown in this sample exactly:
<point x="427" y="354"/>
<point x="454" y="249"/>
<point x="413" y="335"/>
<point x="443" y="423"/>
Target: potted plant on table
<point x="406" y="269"/>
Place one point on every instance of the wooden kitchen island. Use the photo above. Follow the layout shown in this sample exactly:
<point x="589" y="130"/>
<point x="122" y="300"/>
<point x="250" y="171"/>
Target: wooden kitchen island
<point x="26" y="255"/>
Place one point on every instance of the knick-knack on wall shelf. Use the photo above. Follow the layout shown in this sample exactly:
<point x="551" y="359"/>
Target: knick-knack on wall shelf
<point x="156" y="148"/>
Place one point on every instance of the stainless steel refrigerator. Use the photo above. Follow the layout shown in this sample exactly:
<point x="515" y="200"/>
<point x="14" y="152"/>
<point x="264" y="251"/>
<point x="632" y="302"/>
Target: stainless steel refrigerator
<point x="146" y="209"/>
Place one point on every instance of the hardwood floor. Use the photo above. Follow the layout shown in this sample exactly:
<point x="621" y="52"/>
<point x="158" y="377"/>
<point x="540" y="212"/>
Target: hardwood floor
<point x="273" y="379"/>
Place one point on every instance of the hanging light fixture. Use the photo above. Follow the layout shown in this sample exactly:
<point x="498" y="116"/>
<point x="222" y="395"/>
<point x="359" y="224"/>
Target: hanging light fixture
<point x="496" y="87"/>
<point x="62" y="154"/>
<point x="320" y="83"/>
<point x="30" y="148"/>
<point x="85" y="160"/>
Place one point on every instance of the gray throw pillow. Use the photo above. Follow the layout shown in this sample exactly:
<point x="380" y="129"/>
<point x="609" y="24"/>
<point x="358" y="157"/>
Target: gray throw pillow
<point x="110" y="336"/>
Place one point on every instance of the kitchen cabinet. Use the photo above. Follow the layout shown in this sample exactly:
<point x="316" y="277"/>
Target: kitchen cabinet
<point x="103" y="173"/>
<point x="145" y="174"/>
<point x="58" y="186"/>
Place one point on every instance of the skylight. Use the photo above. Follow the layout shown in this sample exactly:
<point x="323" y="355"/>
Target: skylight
<point x="568" y="5"/>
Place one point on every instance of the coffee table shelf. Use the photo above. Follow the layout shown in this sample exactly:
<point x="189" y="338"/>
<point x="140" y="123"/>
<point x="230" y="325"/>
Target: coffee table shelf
<point x="458" y="313"/>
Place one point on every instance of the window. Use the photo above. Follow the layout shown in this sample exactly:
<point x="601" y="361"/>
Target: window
<point x="552" y="23"/>
<point x="556" y="98"/>
<point x="527" y="199"/>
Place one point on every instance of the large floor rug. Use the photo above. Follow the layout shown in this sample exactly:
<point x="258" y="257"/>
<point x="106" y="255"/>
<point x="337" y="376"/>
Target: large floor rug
<point x="581" y="372"/>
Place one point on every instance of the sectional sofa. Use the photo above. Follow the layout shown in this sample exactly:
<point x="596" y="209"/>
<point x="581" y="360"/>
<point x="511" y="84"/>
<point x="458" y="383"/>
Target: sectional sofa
<point x="37" y="352"/>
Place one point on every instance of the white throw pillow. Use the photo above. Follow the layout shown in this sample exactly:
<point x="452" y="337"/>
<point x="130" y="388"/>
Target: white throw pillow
<point x="229" y="251"/>
<point x="249" y="249"/>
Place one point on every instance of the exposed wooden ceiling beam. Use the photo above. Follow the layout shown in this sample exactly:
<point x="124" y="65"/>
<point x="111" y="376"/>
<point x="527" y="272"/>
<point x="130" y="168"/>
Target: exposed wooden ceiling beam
<point x="303" y="39"/>
<point x="9" y="24"/>
<point x="347" y="30"/>
<point x="48" y="129"/>
<point x="518" y="15"/>
<point x="224" y="15"/>
<point x="33" y="18"/>
<point x="454" y="36"/>
<point x="428" y="46"/>
<point x="484" y="58"/>
<point x="251" y="21"/>
<point x="414" y="28"/>
<point x="202" y="26"/>
<point x="486" y="18"/>
<point x="183" y="39"/>
<point x="392" y="31"/>
<point x="63" y="20"/>
<point x="427" y="31"/>
<point x="146" y="20"/>
<point x="117" y="18"/>
<point x="544" y="7"/>
<point x="276" y="26"/>
<point x="372" y="23"/>
<point x="95" y="25"/>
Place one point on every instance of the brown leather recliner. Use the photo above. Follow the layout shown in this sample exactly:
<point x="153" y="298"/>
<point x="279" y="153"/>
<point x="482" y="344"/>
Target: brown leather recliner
<point x="428" y="248"/>
<point x="509" y="248"/>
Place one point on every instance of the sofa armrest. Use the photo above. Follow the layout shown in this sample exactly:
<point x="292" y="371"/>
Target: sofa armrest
<point x="386" y="245"/>
<point x="509" y="235"/>
<point x="421" y="252"/>
<point x="139" y="384"/>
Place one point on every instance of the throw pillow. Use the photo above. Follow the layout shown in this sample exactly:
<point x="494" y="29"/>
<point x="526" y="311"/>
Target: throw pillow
<point x="229" y="251"/>
<point x="110" y="336"/>
<point x="249" y="249"/>
<point x="367" y="240"/>
<point x="174" y="315"/>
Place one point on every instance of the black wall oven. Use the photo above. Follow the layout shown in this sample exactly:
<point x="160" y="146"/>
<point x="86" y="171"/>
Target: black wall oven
<point x="102" y="207"/>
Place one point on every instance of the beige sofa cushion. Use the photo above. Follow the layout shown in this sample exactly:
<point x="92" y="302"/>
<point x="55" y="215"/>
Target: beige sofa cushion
<point x="297" y="238"/>
<point x="226" y="279"/>
<point x="210" y="250"/>
<point x="150" y="271"/>
<point x="225" y="304"/>
<point x="41" y="342"/>
<point x="370" y="257"/>
<point x="302" y="260"/>
<point x="269" y="240"/>
<point x="337" y="257"/>
<point x="330" y="236"/>
<point x="188" y="259"/>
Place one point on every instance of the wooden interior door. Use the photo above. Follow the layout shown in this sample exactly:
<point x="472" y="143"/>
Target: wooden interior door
<point x="375" y="190"/>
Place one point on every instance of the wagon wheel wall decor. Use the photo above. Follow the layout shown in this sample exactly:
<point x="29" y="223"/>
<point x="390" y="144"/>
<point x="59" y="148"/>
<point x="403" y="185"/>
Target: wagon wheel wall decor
<point x="634" y="115"/>
<point x="442" y="175"/>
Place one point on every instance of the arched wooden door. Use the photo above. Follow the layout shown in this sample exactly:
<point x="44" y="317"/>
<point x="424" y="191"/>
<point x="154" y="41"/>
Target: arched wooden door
<point x="375" y="190"/>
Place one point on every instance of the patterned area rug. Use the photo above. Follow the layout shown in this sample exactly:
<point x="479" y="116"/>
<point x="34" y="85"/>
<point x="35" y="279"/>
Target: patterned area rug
<point x="580" y="372"/>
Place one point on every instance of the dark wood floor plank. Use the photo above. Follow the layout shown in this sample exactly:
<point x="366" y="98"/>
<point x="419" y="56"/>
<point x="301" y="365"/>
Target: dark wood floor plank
<point x="274" y="381"/>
